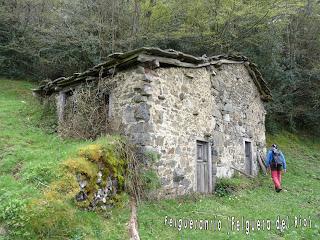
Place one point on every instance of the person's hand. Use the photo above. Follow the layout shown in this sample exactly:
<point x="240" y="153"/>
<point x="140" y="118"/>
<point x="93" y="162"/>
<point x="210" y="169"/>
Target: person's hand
<point x="284" y="170"/>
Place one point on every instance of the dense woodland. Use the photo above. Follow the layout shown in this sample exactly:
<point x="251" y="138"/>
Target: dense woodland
<point x="42" y="39"/>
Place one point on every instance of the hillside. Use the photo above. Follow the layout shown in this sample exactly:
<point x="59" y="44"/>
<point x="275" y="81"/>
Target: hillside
<point x="251" y="199"/>
<point x="29" y="162"/>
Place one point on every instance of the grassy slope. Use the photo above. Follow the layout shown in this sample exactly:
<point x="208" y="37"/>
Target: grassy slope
<point x="29" y="159"/>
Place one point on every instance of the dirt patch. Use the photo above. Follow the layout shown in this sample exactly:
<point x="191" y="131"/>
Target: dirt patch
<point x="3" y="231"/>
<point x="16" y="170"/>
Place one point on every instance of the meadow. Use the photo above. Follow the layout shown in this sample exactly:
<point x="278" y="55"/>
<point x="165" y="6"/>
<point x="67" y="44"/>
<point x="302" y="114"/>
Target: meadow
<point x="31" y="153"/>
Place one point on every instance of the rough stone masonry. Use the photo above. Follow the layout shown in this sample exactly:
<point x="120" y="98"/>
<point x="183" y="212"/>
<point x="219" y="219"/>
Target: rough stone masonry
<point x="203" y="116"/>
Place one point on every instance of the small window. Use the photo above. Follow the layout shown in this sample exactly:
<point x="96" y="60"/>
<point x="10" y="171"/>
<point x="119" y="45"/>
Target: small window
<point x="107" y="103"/>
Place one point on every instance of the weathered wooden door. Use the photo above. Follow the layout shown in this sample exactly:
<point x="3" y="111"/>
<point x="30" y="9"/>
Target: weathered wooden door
<point x="248" y="160"/>
<point x="203" y="168"/>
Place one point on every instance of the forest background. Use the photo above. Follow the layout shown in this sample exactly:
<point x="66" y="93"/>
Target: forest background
<point x="41" y="39"/>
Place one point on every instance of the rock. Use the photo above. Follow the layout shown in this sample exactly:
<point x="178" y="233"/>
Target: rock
<point x="214" y="92"/>
<point x="178" y="175"/>
<point x="159" y="163"/>
<point x="142" y="138"/>
<point x="138" y="88"/>
<point x="147" y="78"/>
<point x="99" y="179"/>
<point x="178" y="105"/>
<point x="218" y="65"/>
<point x="184" y="88"/>
<point x="128" y="114"/>
<point x="146" y="90"/>
<point x="215" y="84"/>
<point x="140" y="70"/>
<point x="82" y="181"/>
<point x="171" y="151"/>
<point x="158" y="118"/>
<point x="81" y="196"/>
<point x="114" y="186"/>
<point x="218" y="138"/>
<point x="185" y="183"/>
<point x="207" y="134"/>
<point x="189" y="75"/>
<point x="137" y="128"/>
<point x="187" y="103"/>
<point x="228" y="108"/>
<point x="178" y="150"/>
<point x="141" y="112"/>
<point x="214" y="152"/>
<point x="216" y="112"/>
<point x="159" y="141"/>
<point x="139" y="99"/>
<point x="182" y="96"/>
<point x="249" y="132"/>
<point x="226" y="117"/>
<point x="83" y="184"/>
<point x="164" y="181"/>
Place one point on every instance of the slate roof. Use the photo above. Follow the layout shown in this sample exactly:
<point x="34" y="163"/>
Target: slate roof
<point x="160" y="58"/>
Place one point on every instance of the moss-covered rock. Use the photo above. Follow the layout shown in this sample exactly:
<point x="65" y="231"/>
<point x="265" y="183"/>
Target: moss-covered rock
<point x="94" y="178"/>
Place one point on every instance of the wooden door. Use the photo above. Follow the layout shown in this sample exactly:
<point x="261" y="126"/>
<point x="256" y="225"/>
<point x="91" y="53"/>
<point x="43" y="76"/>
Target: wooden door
<point x="203" y="173"/>
<point x="248" y="159"/>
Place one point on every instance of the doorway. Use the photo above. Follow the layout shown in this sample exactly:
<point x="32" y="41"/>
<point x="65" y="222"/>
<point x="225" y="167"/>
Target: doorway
<point x="204" y="171"/>
<point x="248" y="157"/>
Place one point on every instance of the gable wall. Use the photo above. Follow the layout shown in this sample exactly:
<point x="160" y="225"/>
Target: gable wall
<point x="193" y="104"/>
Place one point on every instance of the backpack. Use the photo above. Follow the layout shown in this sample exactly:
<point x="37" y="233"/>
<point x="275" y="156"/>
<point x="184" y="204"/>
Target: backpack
<point x="276" y="157"/>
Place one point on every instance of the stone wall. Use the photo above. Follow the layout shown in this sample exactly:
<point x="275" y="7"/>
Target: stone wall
<point x="130" y="104"/>
<point x="240" y="116"/>
<point x="182" y="114"/>
<point x="221" y="106"/>
<point x="166" y="110"/>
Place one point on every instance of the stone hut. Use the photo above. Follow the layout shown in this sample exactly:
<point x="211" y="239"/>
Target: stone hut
<point x="204" y="116"/>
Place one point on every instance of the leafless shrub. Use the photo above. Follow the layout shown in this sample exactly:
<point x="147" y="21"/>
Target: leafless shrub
<point x="138" y="182"/>
<point x="134" y="181"/>
<point x="86" y="111"/>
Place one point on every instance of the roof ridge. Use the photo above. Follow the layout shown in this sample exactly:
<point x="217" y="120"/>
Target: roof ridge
<point x="167" y="57"/>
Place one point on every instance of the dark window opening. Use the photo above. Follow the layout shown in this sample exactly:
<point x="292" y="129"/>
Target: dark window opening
<point x="248" y="157"/>
<point x="106" y="99"/>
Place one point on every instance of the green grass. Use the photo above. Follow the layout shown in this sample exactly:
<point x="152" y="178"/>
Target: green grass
<point x="29" y="160"/>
